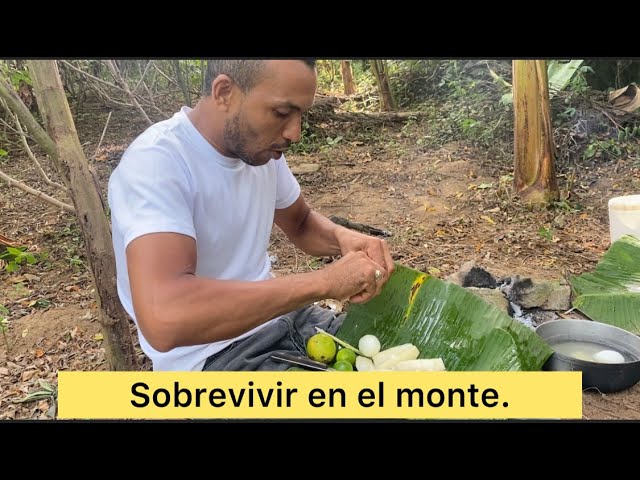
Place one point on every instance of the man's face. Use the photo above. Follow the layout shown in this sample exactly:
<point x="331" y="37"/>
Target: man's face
<point x="267" y="119"/>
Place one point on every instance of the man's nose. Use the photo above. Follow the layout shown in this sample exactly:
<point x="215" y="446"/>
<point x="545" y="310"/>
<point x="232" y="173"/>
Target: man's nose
<point x="293" y="130"/>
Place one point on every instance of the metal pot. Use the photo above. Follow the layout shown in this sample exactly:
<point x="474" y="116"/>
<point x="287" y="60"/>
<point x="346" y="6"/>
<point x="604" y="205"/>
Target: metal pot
<point x="606" y="377"/>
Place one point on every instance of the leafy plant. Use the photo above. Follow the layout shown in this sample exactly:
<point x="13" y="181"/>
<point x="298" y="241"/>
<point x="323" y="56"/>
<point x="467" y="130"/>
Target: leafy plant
<point x="628" y="133"/>
<point x="308" y="141"/>
<point x="44" y="391"/>
<point x="546" y="233"/>
<point x="605" y="149"/>
<point x="17" y="256"/>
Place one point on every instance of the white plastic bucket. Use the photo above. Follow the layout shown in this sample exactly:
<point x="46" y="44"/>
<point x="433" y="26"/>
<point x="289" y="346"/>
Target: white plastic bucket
<point x="624" y="216"/>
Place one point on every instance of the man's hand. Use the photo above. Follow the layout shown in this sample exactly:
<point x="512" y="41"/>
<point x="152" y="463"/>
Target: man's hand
<point x="354" y="277"/>
<point x="375" y="248"/>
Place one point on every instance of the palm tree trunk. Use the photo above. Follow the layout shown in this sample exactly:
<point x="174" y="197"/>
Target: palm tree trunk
<point x="534" y="178"/>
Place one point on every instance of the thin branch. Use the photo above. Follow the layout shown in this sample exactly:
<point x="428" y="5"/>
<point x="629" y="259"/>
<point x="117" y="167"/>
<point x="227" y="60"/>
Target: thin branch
<point x="87" y="74"/>
<point x="7" y="141"/>
<point x="146" y="67"/>
<point x="493" y="129"/>
<point x="166" y="76"/>
<point x="36" y="193"/>
<point x="106" y="98"/>
<point x="153" y="104"/>
<point x="150" y="95"/>
<point x="116" y="74"/>
<point x="17" y="106"/>
<point x="10" y="127"/>
<point x="618" y="126"/>
<point x="104" y="130"/>
<point x="33" y="158"/>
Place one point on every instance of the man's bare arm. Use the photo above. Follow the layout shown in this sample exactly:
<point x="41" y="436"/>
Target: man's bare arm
<point x="174" y="307"/>
<point x="316" y="235"/>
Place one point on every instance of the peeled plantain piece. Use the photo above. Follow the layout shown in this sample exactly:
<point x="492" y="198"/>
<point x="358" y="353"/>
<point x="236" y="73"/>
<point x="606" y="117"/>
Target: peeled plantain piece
<point x="421" y="365"/>
<point x="387" y="359"/>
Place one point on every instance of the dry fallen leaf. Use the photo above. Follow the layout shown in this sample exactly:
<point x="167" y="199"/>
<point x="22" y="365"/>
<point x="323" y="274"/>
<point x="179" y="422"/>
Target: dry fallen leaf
<point x="27" y="375"/>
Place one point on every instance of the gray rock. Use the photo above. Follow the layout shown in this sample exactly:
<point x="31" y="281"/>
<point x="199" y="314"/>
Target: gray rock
<point x="543" y="294"/>
<point x="492" y="295"/>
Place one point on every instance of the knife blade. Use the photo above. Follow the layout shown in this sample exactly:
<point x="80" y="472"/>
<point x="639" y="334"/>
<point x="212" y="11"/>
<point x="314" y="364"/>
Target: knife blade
<point x="300" y="361"/>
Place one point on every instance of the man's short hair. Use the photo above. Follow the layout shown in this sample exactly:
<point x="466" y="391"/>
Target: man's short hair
<point x="245" y="73"/>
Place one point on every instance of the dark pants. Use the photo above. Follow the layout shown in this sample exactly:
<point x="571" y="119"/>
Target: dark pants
<point x="287" y="334"/>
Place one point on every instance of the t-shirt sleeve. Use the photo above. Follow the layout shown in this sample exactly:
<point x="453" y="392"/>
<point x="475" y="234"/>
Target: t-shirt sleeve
<point x="288" y="189"/>
<point x="150" y="192"/>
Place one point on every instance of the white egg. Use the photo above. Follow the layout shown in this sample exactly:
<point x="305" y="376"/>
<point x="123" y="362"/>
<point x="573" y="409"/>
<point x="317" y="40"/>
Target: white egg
<point x="608" y="356"/>
<point x="369" y="345"/>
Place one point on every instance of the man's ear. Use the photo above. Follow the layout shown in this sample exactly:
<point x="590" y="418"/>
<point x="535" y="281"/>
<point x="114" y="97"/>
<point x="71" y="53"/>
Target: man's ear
<point x="221" y="91"/>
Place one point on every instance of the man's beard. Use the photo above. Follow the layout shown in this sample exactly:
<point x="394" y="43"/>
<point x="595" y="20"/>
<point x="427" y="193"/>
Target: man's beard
<point x="237" y="141"/>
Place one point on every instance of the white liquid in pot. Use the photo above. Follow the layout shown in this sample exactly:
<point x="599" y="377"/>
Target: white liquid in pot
<point x="590" y="352"/>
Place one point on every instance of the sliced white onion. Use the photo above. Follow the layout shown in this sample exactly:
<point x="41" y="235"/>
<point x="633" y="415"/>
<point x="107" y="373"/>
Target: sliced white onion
<point x="369" y="345"/>
<point x="364" y="364"/>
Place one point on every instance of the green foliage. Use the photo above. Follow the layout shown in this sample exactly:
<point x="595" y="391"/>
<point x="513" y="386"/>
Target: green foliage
<point x="308" y="143"/>
<point x="578" y="83"/>
<point x="18" y="256"/>
<point x="15" y="74"/>
<point x="628" y="133"/>
<point x="611" y="292"/>
<point x="565" y="205"/>
<point x="444" y="320"/>
<point x="545" y="232"/>
<point x="604" y="149"/>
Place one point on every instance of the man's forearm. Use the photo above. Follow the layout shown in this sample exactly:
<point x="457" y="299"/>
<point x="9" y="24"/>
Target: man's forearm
<point x="317" y="236"/>
<point x="193" y="310"/>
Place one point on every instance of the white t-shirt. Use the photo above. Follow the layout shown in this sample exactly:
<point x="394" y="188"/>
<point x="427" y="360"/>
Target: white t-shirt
<point x="171" y="179"/>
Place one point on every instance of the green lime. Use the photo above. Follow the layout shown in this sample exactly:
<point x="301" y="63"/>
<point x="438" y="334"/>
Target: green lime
<point x="346" y="355"/>
<point x="322" y="348"/>
<point x="343" y="366"/>
<point x="296" y="369"/>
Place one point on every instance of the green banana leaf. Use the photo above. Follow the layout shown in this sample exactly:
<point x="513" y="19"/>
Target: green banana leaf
<point x="559" y="75"/>
<point x="611" y="293"/>
<point x="445" y="320"/>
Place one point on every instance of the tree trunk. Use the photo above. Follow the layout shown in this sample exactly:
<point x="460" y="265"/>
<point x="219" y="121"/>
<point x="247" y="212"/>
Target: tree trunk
<point x="387" y="102"/>
<point x="347" y="77"/>
<point x="90" y="210"/>
<point x="535" y="176"/>
<point x="182" y="81"/>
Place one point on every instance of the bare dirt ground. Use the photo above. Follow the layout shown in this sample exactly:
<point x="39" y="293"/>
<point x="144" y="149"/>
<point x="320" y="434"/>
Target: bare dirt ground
<point x="444" y="205"/>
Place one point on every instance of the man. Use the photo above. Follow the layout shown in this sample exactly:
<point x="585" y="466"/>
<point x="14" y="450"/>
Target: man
<point x="193" y="202"/>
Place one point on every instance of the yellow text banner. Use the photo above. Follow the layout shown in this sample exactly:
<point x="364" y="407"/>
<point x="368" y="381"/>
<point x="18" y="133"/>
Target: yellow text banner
<point x="319" y="395"/>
